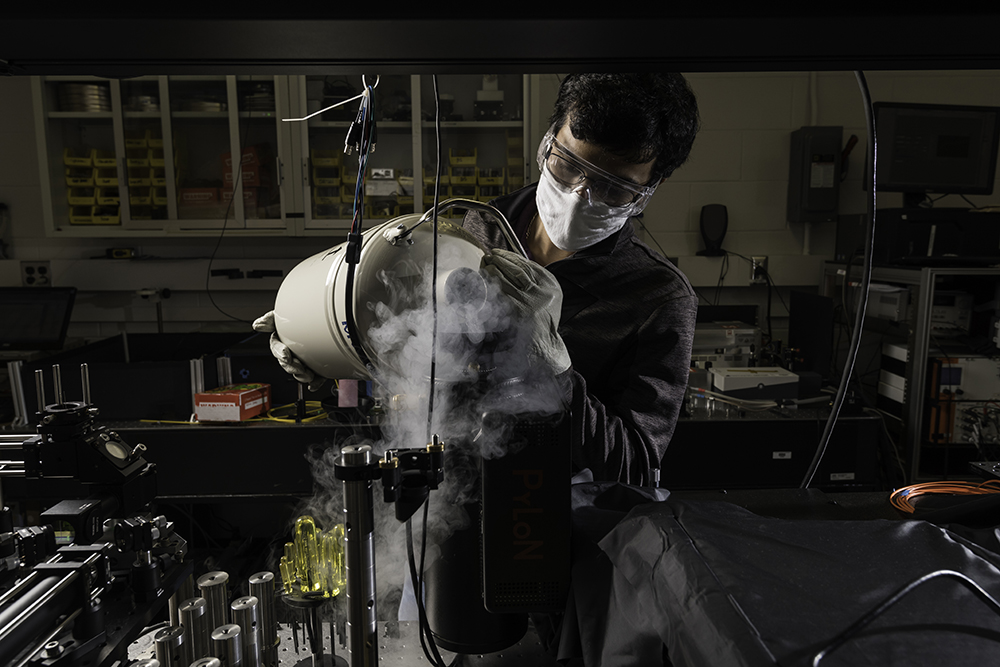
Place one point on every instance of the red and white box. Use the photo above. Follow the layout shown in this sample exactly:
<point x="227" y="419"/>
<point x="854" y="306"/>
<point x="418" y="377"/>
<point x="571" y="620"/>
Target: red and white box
<point x="232" y="403"/>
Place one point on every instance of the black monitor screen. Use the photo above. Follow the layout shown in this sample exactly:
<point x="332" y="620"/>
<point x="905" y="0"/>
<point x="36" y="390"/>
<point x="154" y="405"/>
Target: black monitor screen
<point x="945" y="149"/>
<point x="35" y="318"/>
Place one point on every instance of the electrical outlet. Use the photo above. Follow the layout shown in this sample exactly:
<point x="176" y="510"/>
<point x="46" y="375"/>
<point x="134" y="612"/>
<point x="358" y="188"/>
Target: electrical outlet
<point x="758" y="269"/>
<point x="36" y="273"/>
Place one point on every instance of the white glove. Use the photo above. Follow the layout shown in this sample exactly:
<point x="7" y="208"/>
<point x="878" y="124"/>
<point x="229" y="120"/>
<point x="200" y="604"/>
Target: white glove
<point x="288" y="361"/>
<point x="537" y="299"/>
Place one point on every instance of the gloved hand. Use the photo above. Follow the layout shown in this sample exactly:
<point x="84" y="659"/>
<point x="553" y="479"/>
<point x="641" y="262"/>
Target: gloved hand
<point x="288" y="361"/>
<point x="537" y="299"/>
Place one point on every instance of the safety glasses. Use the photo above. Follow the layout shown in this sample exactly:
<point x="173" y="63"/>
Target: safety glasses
<point x="576" y="174"/>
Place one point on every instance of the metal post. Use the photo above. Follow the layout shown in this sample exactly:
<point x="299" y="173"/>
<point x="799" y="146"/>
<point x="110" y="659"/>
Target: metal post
<point x="262" y="588"/>
<point x="40" y="390"/>
<point x="359" y="512"/>
<point x="17" y="391"/>
<point x="213" y="587"/>
<point x="170" y="647"/>
<point x="246" y="614"/>
<point x="57" y="384"/>
<point x="85" y="382"/>
<point x="193" y="616"/>
<point x="197" y="381"/>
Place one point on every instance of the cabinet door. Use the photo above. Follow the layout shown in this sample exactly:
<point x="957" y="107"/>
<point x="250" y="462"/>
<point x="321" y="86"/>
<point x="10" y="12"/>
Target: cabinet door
<point x="76" y="128"/>
<point x="482" y="140"/>
<point x="147" y="163"/>
<point x="482" y="136"/>
<point x="201" y="113"/>
<point x="331" y="176"/>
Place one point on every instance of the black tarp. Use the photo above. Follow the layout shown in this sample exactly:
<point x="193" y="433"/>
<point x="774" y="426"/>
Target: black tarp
<point x="718" y="585"/>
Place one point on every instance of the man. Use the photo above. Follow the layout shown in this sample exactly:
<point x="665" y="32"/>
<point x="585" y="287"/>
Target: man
<point x="627" y="315"/>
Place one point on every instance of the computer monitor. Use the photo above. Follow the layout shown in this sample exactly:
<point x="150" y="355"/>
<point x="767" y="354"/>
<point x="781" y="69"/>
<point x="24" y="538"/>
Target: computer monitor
<point x="35" y="318"/>
<point x="936" y="148"/>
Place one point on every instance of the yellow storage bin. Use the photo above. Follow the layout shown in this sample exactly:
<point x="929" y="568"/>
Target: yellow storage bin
<point x="105" y="176"/>
<point x="72" y="158"/>
<point x="81" y="215"/>
<point x="137" y="157"/>
<point x="136" y="138"/>
<point x="325" y="158"/>
<point x="490" y="192"/>
<point x="159" y="196"/>
<point x="462" y="156"/>
<point x="79" y="177"/>
<point x="462" y="175"/>
<point x="108" y="196"/>
<point x="154" y="138"/>
<point x="140" y="196"/>
<point x="139" y="177"/>
<point x="326" y="176"/>
<point x="515" y="177"/>
<point x="332" y="211"/>
<point x="158" y="177"/>
<point x="101" y="158"/>
<point x="156" y="157"/>
<point x="106" y="215"/>
<point x="491" y="176"/>
<point x="383" y="209"/>
<point x="81" y="197"/>
<point x="326" y="195"/>
<point x="464" y="191"/>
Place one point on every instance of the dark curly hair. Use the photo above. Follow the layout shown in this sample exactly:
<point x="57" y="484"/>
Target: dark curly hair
<point x="638" y="117"/>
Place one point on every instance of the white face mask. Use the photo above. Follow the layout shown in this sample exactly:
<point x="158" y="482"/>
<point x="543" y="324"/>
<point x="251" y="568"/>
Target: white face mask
<point x="572" y="221"/>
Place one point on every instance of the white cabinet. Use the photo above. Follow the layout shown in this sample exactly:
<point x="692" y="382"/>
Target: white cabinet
<point x="153" y="156"/>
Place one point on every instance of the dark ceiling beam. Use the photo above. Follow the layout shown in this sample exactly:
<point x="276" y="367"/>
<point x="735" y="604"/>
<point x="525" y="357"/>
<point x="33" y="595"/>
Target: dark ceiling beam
<point x="144" y="45"/>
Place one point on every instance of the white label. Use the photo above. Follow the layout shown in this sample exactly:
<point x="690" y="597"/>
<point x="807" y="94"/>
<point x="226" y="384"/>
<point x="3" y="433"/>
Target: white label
<point x="254" y="403"/>
<point x="781" y="455"/>
<point x="821" y="175"/>
<point x="841" y="476"/>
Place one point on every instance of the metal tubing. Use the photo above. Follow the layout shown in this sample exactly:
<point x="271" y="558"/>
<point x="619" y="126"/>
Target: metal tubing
<point x="227" y="645"/>
<point x="85" y="382"/>
<point x="184" y="592"/>
<point x="193" y="615"/>
<point x="215" y="591"/>
<point x="262" y="588"/>
<point x="24" y="619"/>
<point x="17" y="392"/>
<point x="40" y="389"/>
<point x="360" y="561"/>
<point x="246" y="614"/>
<point x="57" y="384"/>
<point x="170" y="648"/>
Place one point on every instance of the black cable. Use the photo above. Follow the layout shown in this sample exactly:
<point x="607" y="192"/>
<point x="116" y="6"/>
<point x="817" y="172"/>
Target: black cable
<point x="434" y="267"/>
<point x="426" y="636"/>
<point x="723" y="270"/>
<point x="354" y="238"/>
<point x="881" y="607"/>
<point x="866" y="272"/>
<point x="237" y="178"/>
